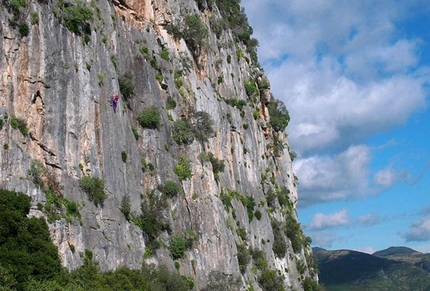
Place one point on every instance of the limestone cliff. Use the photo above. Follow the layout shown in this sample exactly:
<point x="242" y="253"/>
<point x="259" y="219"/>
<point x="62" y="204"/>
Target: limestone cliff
<point x="192" y="97"/>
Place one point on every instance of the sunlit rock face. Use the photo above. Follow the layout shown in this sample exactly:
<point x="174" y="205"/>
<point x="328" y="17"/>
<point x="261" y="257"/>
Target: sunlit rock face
<point x="58" y="70"/>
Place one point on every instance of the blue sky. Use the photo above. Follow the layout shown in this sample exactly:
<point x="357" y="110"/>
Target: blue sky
<point x="355" y="78"/>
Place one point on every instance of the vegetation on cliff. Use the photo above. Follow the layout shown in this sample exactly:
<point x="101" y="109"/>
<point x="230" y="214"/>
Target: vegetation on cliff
<point x="29" y="260"/>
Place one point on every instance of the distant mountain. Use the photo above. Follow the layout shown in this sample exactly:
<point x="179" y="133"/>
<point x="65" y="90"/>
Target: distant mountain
<point x="392" y="269"/>
<point x="407" y="255"/>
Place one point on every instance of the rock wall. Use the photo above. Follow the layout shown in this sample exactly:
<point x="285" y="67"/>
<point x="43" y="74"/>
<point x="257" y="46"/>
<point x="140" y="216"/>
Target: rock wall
<point x="56" y="79"/>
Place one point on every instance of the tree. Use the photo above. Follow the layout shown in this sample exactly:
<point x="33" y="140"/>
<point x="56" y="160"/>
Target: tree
<point x="26" y="250"/>
<point x="279" y="116"/>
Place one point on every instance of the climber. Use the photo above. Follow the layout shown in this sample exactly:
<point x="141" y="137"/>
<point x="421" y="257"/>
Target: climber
<point x="114" y="101"/>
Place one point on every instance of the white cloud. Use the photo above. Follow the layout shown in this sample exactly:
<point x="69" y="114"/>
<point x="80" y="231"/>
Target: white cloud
<point x="420" y="230"/>
<point x="323" y="179"/>
<point x="330" y="110"/>
<point x="339" y="66"/>
<point x="388" y="177"/>
<point x="369" y="219"/>
<point x="367" y="250"/>
<point x="324" y="239"/>
<point x="324" y="221"/>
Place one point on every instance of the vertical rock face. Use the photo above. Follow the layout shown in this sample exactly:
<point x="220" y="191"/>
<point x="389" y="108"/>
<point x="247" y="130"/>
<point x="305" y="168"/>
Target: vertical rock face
<point x="180" y="59"/>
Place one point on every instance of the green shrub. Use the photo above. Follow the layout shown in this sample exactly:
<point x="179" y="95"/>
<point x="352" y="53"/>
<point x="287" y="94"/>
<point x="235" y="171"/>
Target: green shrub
<point x="126" y="86"/>
<point x="171" y="103"/>
<point x="174" y="30"/>
<point x="270" y="280"/>
<point x="135" y="133"/>
<point x="165" y="55"/>
<point x="258" y="214"/>
<point x="295" y="234"/>
<point x="278" y="145"/>
<point x="226" y="200"/>
<point x="170" y="189"/>
<point x="177" y="247"/>
<point x="311" y="285"/>
<point x="144" y="50"/>
<point x="126" y="206"/>
<point x="152" y="221"/>
<point x="203" y="125"/>
<point x="115" y="64"/>
<point x="20" y="124"/>
<point x="243" y="257"/>
<point x="26" y="249"/>
<point x="279" y="243"/>
<point x="250" y="88"/>
<point x="72" y="208"/>
<point x="241" y="232"/>
<point x="282" y="194"/>
<point x="279" y="116"/>
<point x="23" y="29"/>
<point x="195" y="33"/>
<point x="228" y="59"/>
<point x="182" y="132"/>
<point x="77" y="17"/>
<point x="1" y="124"/>
<point x="217" y="164"/>
<point x="124" y="156"/>
<point x="182" y="169"/>
<point x="259" y="258"/>
<point x="37" y="172"/>
<point x="149" y="118"/>
<point x="94" y="187"/>
<point x="249" y="203"/>
<point x="16" y="5"/>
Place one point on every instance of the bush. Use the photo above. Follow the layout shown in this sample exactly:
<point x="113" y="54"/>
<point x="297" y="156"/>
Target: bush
<point x="279" y="116"/>
<point x="283" y="199"/>
<point x="170" y="189"/>
<point x="250" y="88"/>
<point x="135" y="133"/>
<point x="177" y="247"/>
<point x="126" y="86"/>
<point x="34" y="18"/>
<point x="295" y="234"/>
<point x="259" y="258"/>
<point x="23" y="29"/>
<point x="20" y="124"/>
<point x="171" y="103"/>
<point x="182" y="132"/>
<point x="270" y="280"/>
<point x="152" y="221"/>
<point x="26" y="249"/>
<point x="279" y="243"/>
<point x="76" y="17"/>
<point x="126" y="206"/>
<point x="310" y="285"/>
<point x="203" y="127"/>
<point x="243" y="257"/>
<point x="217" y="164"/>
<point x="195" y="33"/>
<point x="149" y="118"/>
<point x="258" y="214"/>
<point x="124" y="156"/>
<point x="94" y="187"/>
<point x="182" y="169"/>
<point x="165" y="55"/>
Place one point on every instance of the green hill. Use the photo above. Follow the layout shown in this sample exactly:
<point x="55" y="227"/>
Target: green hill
<point x="342" y="270"/>
<point x="407" y="255"/>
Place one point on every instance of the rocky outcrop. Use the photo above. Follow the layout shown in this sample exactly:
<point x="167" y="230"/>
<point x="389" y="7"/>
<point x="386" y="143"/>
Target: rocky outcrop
<point x="58" y="69"/>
